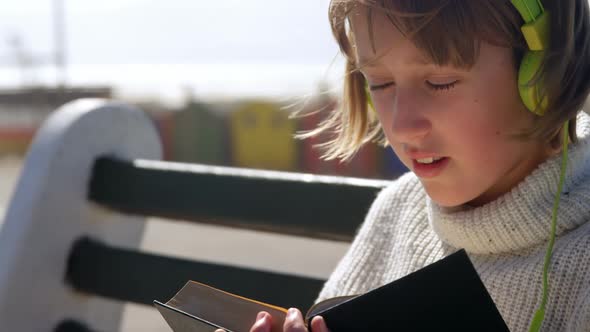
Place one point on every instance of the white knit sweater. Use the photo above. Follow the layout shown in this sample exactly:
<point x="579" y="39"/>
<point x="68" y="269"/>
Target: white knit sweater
<point x="505" y="239"/>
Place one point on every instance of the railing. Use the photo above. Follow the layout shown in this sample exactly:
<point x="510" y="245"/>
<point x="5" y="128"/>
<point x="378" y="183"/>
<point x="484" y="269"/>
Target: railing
<point x="91" y="177"/>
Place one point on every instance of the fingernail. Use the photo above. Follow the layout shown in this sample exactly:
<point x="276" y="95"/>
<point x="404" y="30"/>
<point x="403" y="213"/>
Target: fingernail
<point x="292" y="312"/>
<point x="318" y="324"/>
<point x="260" y="315"/>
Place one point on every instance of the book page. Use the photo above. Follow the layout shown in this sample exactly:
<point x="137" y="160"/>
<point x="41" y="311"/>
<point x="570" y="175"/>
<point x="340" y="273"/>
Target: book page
<point x="181" y="321"/>
<point x="219" y="308"/>
<point x="327" y="304"/>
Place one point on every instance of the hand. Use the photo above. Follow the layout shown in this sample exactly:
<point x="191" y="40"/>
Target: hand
<point x="293" y="322"/>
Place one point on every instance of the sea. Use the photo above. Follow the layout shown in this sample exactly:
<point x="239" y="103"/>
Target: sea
<point x="171" y="84"/>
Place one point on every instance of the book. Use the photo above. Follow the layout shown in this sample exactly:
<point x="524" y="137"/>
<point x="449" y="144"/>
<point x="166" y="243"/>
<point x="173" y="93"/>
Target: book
<point x="447" y="295"/>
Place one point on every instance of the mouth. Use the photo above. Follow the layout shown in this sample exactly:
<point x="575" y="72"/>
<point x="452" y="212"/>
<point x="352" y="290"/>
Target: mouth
<point x="427" y="161"/>
<point x="429" y="167"/>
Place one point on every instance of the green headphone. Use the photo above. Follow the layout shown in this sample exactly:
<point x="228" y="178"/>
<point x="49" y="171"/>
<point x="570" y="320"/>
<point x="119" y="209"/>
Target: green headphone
<point x="536" y="34"/>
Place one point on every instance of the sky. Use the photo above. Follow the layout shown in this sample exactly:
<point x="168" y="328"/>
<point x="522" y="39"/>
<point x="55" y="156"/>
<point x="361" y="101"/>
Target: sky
<point x="173" y="31"/>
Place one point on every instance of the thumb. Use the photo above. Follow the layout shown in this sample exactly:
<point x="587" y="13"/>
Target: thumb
<point x="263" y="322"/>
<point x="318" y="324"/>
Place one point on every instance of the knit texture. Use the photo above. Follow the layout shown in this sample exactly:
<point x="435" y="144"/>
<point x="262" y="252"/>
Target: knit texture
<point x="506" y="241"/>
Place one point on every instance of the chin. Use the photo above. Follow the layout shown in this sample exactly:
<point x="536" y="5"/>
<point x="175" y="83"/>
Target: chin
<point x="446" y="198"/>
<point x="450" y="203"/>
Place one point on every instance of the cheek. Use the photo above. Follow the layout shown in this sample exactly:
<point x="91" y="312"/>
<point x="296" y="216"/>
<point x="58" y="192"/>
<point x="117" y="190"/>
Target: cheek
<point x="485" y="150"/>
<point x="385" y="119"/>
<point x="477" y="130"/>
<point x="492" y="113"/>
<point x="501" y="105"/>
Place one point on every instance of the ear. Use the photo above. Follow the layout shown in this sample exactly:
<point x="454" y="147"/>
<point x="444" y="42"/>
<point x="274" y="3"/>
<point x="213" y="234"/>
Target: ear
<point x="555" y="144"/>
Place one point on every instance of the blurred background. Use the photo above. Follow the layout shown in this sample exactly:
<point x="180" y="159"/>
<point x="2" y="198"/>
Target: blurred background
<point x="219" y="79"/>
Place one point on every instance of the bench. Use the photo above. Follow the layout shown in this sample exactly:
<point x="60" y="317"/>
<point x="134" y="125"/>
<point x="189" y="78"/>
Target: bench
<point x="91" y="178"/>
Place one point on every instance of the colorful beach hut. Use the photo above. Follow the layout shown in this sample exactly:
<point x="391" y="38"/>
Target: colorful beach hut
<point x="200" y="135"/>
<point x="262" y="136"/>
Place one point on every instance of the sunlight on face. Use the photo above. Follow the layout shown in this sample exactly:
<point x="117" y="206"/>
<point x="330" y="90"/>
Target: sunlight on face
<point x="465" y="117"/>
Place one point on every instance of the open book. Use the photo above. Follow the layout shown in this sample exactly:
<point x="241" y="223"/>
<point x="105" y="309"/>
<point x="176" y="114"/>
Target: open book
<point x="444" y="296"/>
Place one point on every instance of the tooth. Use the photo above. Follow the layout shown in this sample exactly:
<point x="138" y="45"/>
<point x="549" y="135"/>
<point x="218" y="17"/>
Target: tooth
<point x="426" y="160"/>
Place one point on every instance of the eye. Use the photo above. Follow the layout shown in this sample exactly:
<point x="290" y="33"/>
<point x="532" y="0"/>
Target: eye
<point x="441" y="87"/>
<point x="380" y="86"/>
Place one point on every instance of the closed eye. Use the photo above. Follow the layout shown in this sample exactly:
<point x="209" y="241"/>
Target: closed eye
<point x="380" y="86"/>
<point x="440" y="87"/>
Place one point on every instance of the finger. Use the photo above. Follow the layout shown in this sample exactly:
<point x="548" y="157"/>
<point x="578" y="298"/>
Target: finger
<point x="294" y="321"/>
<point x="318" y="324"/>
<point x="263" y="322"/>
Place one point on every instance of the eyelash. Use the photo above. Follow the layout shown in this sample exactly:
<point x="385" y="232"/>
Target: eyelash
<point x="436" y="87"/>
<point x="441" y="87"/>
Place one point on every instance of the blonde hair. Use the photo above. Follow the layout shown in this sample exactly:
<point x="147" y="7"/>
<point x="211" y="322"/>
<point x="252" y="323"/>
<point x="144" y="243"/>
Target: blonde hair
<point x="449" y="32"/>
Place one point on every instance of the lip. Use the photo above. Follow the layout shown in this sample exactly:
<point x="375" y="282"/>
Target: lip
<point x="429" y="170"/>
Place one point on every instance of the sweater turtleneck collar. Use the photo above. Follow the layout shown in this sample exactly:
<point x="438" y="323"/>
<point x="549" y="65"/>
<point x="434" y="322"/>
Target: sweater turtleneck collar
<point x="521" y="218"/>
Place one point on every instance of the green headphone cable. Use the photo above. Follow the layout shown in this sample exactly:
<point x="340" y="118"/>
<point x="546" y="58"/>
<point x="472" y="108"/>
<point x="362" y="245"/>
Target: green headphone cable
<point x="540" y="313"/>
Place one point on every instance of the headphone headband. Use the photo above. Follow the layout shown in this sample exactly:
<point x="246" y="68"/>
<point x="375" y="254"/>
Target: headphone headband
<point x="528" y="9"/>
<point x="536" y="27"/>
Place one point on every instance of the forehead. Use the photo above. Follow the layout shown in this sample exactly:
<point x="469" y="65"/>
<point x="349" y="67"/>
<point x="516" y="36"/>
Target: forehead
<point x="377" y="39"/>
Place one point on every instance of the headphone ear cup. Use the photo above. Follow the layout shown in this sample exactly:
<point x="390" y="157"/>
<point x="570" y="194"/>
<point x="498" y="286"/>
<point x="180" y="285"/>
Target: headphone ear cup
<point x="529" y="66"/>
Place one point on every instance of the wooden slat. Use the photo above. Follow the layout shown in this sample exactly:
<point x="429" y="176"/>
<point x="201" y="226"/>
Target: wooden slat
<point x="128" y="275"/>
<point x="289" y="203"/>
<point x="71" y="326"/>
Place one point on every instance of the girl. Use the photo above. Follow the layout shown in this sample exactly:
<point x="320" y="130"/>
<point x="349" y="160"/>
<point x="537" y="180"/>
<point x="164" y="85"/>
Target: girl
<point x="485" y="164"/>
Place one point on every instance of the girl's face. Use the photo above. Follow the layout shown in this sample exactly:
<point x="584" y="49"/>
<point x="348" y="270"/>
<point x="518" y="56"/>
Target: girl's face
<point x="464" y="116"/>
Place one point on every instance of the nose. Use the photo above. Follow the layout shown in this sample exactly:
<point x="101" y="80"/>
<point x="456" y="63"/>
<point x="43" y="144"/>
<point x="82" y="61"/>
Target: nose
<point x="409" y="121"/>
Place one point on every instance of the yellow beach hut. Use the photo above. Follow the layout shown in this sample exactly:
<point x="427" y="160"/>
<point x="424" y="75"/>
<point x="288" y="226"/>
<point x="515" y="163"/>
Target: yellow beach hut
<point x="262" y="136"/>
